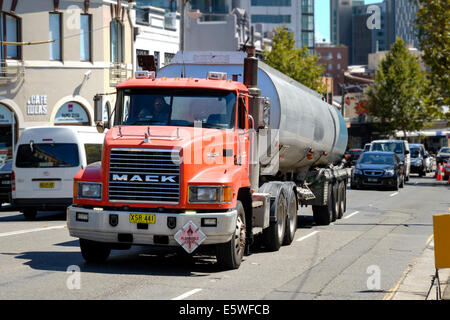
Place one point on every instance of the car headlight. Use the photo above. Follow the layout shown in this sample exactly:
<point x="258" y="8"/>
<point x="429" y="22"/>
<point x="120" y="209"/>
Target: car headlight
<point x="209" y="194"/>
<point x="389" y="172"/>
<point x="89" y="190"/>
<point x="357" y="171"/>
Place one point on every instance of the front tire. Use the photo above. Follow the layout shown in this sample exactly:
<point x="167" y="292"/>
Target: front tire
<point x="93" y="251"/>
<point x="230" y="254"/>
<point x="30" y="214"/>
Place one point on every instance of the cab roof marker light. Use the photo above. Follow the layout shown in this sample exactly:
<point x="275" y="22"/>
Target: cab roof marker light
<point x="145" y="74"/>
<point x="213" y="75"/>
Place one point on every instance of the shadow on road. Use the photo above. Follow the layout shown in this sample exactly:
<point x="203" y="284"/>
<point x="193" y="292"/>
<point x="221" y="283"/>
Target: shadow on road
<point x="14" y="215"/>
<point x="136" y="261"/>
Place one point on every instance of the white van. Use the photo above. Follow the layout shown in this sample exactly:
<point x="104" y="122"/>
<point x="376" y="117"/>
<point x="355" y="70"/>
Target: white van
<point x="400" y="147"/>
<point x="46" y="159"/>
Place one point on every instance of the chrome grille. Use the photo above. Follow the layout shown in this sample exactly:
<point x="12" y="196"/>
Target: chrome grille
<point x="144" y="175"/>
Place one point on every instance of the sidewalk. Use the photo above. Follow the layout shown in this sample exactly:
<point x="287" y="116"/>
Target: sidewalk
<point x="417" y="279"/>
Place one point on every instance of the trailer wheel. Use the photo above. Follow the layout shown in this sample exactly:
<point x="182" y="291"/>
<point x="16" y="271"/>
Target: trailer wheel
<point x="341" y="199"/>
<point x="323" y="215"/>
<point x="93" y="251"/>
<point x="229" y="254"/>
<point x="291" y="220"/>
<point x="335" y="208"/>
<point x="274" y="234"/>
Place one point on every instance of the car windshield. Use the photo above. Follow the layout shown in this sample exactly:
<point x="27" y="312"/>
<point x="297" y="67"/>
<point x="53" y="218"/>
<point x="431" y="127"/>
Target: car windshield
<point x="445" y="150"/>
<point x="7" y="166"/>
<point x="371" y="158"/>
<point x="388" y="146"/>
<point x="354" y="152"/>
<point x="170" y="107"/>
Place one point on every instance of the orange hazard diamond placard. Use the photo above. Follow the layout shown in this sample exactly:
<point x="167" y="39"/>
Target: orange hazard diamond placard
<point x="190" y="237"/>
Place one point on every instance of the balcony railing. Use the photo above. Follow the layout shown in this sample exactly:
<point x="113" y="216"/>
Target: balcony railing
<point x="10" y="72"/>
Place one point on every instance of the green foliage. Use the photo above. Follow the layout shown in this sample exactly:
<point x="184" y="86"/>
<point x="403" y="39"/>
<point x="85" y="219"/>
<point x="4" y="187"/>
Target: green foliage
<point x="397" y="97"/>
<point x="296" y="63"/>
<point x="433" y="25"/>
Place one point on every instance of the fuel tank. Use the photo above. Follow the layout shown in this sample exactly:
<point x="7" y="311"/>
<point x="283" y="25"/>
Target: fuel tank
<point x="305" y="122"/>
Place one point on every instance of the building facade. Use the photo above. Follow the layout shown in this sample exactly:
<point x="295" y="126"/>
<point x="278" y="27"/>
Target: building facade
<point x="157" y="31"/>
<point x="334" y="59"/>
<point x="69" y="51"/>
<point x="296" y="15"/>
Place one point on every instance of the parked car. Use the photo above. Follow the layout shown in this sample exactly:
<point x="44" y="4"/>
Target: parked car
<point x="378" y="169"/>
<point x="5" y="182"/>
<point x="443" y="155"/>
<point x="419" y="159"/>
<point x="46" y="161"/>
<point x="400" y="147"/>
<point x="351" y="156"/>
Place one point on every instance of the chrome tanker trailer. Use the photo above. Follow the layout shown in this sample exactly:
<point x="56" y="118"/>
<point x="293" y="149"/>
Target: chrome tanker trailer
<point x="299" y="142"/>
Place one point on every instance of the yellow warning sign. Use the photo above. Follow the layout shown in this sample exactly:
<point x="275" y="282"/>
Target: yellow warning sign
<point x="441" y="230"/>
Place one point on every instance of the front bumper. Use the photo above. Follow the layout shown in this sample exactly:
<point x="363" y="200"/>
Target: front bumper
<point x="98" y="227"/>
<point x="380" y="181"/>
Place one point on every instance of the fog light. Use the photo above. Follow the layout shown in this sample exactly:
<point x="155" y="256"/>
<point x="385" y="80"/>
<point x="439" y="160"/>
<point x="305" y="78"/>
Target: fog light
<point x="209" y="222"/>
<point x="82" y="216"/>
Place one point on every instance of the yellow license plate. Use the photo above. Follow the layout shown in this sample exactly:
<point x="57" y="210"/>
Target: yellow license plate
<point x="46" y="185"/>
<point x="142" y="218"/>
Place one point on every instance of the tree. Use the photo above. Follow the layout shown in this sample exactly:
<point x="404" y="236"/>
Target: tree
<point x="433" y="26"/>
<point x="397" y="97"/>
<point x="296" y="63"/>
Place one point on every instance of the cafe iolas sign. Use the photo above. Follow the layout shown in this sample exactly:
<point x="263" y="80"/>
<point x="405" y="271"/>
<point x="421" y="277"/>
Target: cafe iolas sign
<point x="37" y="105"/>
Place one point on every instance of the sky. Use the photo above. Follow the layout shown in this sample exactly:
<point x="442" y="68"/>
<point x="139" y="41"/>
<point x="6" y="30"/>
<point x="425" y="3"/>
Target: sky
<point x="322" y="18"/>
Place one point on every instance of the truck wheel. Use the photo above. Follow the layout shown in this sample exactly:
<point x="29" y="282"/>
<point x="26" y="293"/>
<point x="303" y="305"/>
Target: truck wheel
<point x="335" y="207"/>
<point x="274" y="234"/>
<point x="93" y="251"/>
<point x="323" y="215"/>
<point x="291" y="220"/>
<point x="229" y="254"/>
<point x="30" y="214"/>
<point x="341" y="199"/>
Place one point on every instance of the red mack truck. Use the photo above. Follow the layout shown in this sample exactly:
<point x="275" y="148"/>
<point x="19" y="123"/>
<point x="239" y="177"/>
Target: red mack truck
<point x="203" y="156"/>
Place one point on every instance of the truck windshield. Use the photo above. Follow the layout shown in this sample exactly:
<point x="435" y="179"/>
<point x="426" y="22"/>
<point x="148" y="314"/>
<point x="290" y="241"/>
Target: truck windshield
<point x="211" y="108"/>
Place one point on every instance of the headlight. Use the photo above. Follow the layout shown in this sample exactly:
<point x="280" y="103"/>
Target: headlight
<point x="210" y="194"/>
<point x="389" y="172"/>
<point x="89" y="190"/>
<point x="357" y="171"/>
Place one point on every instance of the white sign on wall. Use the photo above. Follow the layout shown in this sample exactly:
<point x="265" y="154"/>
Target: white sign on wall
<point x="37" y="105"/>
<point x="71" y="112"/>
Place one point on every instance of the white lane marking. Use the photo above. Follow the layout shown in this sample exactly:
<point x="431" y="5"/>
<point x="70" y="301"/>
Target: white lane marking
<point x="351" y="215"/>
<point x="12" y="233"/>
<point x="307" y="236"/>
<point x="394" y="194"/>
<point x="187" y="294"/>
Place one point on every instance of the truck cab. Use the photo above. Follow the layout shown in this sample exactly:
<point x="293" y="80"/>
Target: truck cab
<point x="164" y="175"/>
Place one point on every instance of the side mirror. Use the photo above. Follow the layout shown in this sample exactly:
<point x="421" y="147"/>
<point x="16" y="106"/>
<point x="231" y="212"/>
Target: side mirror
<point x="100" y="125"/>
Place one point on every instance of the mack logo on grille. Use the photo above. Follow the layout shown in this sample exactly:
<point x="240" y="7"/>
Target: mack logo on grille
<point x="144" y="178"/>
